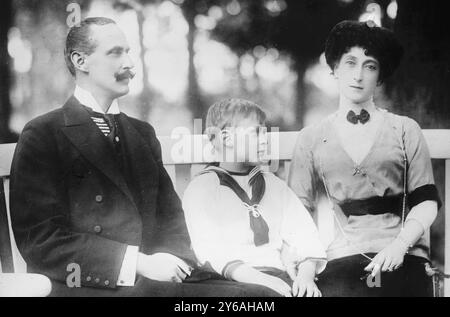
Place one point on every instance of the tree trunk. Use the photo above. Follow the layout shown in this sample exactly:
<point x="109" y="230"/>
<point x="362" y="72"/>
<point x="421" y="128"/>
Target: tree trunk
<point x="421" y="85"/>
<point x="6" y="17"/>
<point x="300" y="109"/>
<point x="145" y="98"/>
<point x="194" y="98"/>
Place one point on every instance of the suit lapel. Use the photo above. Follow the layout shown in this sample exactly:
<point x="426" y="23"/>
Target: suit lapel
<point x="92" y="144"/>
<point x="144" y="168"/>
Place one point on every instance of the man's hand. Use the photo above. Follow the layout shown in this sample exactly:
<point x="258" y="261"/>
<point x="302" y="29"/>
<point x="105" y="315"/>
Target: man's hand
<point x="162" y="267"/>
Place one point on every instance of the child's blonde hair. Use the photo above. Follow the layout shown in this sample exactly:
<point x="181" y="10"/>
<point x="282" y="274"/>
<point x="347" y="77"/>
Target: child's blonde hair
<point x="228" y="112"/>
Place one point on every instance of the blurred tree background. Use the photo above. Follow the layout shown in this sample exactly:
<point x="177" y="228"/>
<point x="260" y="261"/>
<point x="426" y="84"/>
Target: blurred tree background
<point x="190" y="53"/>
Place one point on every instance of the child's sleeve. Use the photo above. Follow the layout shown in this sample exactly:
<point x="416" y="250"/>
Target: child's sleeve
<point x="300" y="235"/>
<point x="208" y="244"/>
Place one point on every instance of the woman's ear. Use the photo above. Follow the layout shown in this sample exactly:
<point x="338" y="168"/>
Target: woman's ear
<point x="380" y="80"/>
<point x="79" y="61"/>
<point x="333" y="72"/>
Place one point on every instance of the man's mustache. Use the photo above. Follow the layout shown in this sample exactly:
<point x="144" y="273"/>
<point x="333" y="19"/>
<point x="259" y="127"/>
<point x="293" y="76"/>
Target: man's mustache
<point x="127" y="74"/>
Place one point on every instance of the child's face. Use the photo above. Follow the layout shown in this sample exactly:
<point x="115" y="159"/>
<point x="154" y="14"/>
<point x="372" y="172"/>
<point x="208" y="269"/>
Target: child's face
<point x="247" y="141"/>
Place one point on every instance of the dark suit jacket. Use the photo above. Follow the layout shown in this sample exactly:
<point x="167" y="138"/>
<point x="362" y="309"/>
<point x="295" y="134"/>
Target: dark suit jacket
<point x="71" y="204"/>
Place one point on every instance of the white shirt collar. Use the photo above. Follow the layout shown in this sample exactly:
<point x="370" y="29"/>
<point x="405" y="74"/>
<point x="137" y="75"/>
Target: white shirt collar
<point x="86" y="99"/>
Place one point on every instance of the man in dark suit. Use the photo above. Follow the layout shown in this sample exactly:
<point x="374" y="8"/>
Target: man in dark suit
<point x="89" y="190"/>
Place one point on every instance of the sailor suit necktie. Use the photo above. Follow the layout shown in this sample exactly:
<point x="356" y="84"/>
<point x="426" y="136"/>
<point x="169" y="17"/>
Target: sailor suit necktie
<point x="258" y="186"/>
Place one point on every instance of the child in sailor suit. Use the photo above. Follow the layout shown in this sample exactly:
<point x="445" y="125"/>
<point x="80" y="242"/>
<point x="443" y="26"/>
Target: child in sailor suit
<point x="246" y="224"/>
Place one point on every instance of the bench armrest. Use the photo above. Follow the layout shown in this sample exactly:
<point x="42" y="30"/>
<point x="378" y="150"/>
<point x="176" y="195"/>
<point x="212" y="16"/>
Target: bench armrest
<point x="24" y="285"/>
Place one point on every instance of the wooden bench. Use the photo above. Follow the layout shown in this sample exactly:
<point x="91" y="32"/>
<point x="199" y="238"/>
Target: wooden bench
<point x="185" y="155"/>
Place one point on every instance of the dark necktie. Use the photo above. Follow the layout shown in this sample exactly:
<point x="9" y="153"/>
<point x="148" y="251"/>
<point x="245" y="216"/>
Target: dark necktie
<point x="112" y="123"/>
<point x="107" y="123"/>
<point x="258" y="185"/>
<point x="363" y="117"/>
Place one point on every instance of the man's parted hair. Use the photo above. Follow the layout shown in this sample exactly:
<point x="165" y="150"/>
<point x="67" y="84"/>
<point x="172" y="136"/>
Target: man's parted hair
<point x="228" y="113"/>
<point x="78" y="39"/>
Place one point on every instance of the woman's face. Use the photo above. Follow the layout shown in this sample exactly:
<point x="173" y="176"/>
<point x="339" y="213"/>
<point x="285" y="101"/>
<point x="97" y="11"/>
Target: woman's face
<point x="357" y="75"/>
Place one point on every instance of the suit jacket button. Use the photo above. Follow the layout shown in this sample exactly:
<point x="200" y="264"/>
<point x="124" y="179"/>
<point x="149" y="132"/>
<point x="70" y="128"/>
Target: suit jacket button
<point x="106" y="282"/>
<point x="99" y="198"/>
<point x="88" y="278"/>
<point x="97" y="229"/>
<point x="97" y="280"/>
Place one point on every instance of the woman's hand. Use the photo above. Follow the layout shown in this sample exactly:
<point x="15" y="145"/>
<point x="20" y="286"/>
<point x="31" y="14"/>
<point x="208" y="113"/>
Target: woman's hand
<point x="389" y="259"/>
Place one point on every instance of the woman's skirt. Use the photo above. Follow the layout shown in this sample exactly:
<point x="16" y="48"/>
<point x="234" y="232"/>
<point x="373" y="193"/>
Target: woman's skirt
<point x="346" y="277"/>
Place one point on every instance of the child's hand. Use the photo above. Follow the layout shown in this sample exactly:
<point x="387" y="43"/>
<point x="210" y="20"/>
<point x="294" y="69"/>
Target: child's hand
<point x="388" y="259"/>
<point x="304" y="282"/>
<point x="308" y="288"/>
<point x="247" y="274"/>
<point x="277" y="284"/>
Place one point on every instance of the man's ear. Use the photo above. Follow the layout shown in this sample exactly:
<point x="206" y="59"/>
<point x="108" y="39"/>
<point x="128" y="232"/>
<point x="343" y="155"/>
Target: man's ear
<point x="79" y="61"/>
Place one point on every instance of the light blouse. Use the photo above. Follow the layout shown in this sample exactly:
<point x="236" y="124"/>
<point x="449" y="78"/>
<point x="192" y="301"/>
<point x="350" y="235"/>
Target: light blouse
<point x="320" y="158"/>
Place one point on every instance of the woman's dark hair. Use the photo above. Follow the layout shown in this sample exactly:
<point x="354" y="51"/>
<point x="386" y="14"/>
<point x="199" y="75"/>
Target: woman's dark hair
<point x="377" y="42"/>
<point x="78" y="39"/>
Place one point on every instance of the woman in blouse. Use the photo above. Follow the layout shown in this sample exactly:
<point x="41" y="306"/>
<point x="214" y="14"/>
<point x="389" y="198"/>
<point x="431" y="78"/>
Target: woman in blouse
<point x="364" y="159"/>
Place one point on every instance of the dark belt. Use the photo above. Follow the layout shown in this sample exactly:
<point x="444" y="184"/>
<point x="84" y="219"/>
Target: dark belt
<point x="373" y="206"/>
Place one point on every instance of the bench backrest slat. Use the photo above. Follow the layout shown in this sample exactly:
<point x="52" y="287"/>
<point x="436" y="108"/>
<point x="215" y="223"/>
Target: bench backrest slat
<point x="182" y="149"/>
<point x="6" y="257"/>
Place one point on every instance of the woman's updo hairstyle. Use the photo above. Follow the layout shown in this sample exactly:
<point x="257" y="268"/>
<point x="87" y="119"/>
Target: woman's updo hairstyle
<point x="377" y="42"/>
